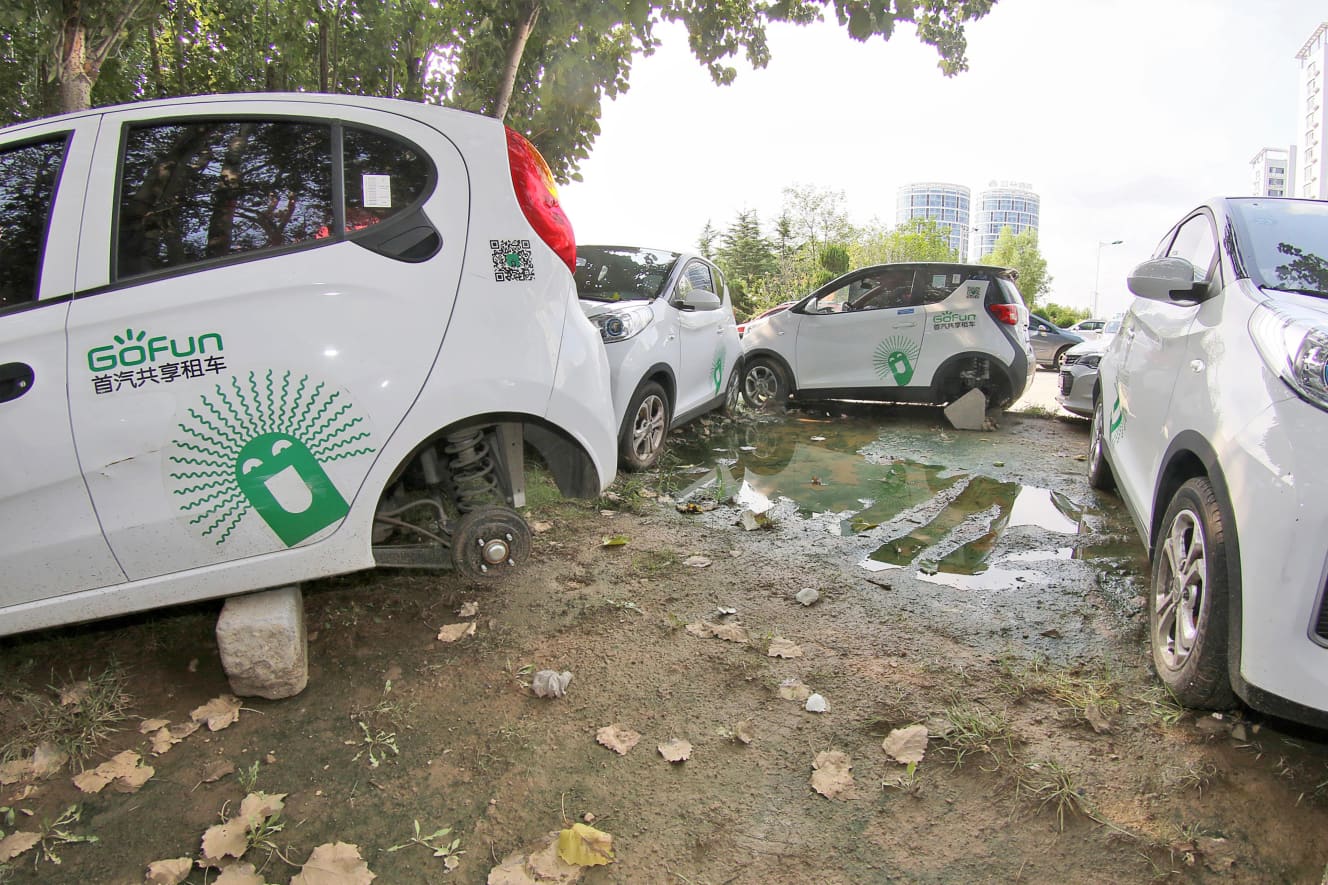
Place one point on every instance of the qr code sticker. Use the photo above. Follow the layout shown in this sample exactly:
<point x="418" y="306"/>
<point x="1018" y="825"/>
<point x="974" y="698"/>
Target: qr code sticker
<point x="512" y="262"/>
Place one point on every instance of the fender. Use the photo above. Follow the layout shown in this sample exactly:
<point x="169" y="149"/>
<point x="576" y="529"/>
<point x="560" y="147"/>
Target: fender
<point x="1014" y="380"/>
<point x="749" y="356"/>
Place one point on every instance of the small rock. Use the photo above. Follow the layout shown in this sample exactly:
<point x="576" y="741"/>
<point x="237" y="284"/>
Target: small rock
<point x="1213" y="724"/>
<point x="696" y="562"/>
<point x="550" y="683"/>
<point x="815" y="704"/>
<point x="1238" y="733"/>
<point x="807" y="595"/>
<point x="750" y="521"/>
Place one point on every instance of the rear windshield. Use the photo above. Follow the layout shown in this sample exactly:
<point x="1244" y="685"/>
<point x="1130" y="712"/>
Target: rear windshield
<point x="619" y="273"/>
<point x="1284" y="244"/>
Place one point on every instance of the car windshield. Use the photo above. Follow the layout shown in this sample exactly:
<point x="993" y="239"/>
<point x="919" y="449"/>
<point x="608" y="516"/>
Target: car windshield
<point x="617" y="273"/>
<point x="1284" y="243"/>
<point x="1111" y="328"/>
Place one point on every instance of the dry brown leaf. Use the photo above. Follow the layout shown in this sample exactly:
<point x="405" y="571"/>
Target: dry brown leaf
<point x="218" y="713"/>
<point x="453" y="632"/>
<point x="169" y="872"/>
<point x="732" y="632"/>
<point x="221" y="841"/>
<point x="697" y="562"/>
<point x="162" y="741"/>
<point x="468" y="610"/>
<point x="74" y="695"/>
<point x="124" y="770"/>
<point x="794" y="690"/>
<point x="906" y="745"/>
<point x="1099" y="722"/>
<point x="257" y="806"/>
<point x="676" y="750"/>
<point x="338" y="864"/>
<point x="543" y="867"/>
<point x="14" y="771"/>
<point x="783" y="648"/>
<point x="216" y="770"/>
<point x="539" y="526"/>
<point x="148" y="726"/>
<point x="133" y="780"/>
<point x="832" y="774"/>
<point x="703" y="629"/>
<point x="743" y="732"/>
<point x="617" y="738"/>
<point x="585" y="846"/>
<point x="16" y="843"/>
<point x="48" y="759"/>
<point x="239" y="874"/>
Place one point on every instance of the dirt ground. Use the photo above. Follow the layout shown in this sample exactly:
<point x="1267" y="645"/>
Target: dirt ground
<point x="1012" y="631"/>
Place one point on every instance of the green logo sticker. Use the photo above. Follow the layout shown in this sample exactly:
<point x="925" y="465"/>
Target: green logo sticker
<point x="1117" y="415"/>
<point x="953" y="320"/>
<point x="895" y="358"/>
<point x="262" y="446"/>
<point x="717" y="368"/>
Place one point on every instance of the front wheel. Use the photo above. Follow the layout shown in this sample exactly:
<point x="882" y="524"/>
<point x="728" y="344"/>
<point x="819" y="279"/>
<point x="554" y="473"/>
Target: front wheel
<point x="1188" y="603"/>
<point x="1058" y="359"/>
<point x="764" y="384"/>
<point x="733" y="392"/>
<point x="642" y="439"/>
<point x="1099" y="471"/>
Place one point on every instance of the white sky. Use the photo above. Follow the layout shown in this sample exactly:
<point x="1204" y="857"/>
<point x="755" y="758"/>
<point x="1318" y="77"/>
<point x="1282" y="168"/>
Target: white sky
<point x="1121" y="114"/>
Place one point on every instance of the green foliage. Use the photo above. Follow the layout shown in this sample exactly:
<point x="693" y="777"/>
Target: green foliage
<point x="834" y="258"/>
<point x="1020" y="251"/>
<point x="919" y="239"/>
<point x="745" y="256"/>
<point x="1060" y="315"/>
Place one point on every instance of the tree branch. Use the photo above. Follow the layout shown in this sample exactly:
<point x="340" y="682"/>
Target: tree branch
<point x="111" y="41"/>
<point x="515" y="50"/>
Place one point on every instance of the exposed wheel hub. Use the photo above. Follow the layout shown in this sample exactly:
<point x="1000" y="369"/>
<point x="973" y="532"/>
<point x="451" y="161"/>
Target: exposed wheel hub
<point x="489" y="542"/>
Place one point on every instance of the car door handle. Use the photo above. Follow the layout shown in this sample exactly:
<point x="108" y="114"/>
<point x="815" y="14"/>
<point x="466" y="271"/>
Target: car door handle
<point x="15" y="380"/>
<point x="906" y="325"/>
<point x="1197" y="366"/>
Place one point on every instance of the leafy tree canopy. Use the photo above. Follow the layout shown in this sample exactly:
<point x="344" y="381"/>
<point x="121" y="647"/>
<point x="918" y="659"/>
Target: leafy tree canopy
<point x="1020" y="251"/>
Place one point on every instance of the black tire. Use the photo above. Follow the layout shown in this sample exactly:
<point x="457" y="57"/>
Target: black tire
<point x="733" y="392"/>
<point x="764" y="384"/>
<point x="1059" y="358"/>
<point x="1188" y="600"/>
<point x="1099" y="471"/>
<point x="645" y="428"/>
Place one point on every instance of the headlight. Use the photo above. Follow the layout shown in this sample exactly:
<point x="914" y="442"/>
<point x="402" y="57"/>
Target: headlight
<point x="1092" y="361"/>
<point x="622" y="324"/>
<point x="1295" y="348"/>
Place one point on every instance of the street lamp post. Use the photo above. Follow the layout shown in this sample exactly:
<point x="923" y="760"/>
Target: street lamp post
<point x="1097" y="272"/>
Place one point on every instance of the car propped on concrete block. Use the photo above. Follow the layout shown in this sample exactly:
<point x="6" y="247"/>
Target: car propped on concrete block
<point x="253" y="340"/>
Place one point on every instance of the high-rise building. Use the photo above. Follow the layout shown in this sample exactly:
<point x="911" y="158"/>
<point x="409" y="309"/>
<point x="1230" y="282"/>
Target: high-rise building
<point x="945" y="204"/>
<point x="1310" y="169"/>
<point x="1274" y="172"/>
<point x="1005" y="204"/>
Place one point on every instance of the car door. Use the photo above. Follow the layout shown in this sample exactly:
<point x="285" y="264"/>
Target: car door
<point x="865" y="332"/>
<point x="247" y="332"/>
<point x="700" y="369"/>
<point x="50" y="541"/>
<point x="1157" y="340"/>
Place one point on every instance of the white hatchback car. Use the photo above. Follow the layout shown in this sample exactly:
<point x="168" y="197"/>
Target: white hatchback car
<point x="255" y="339"/>
<point x="667" y="324"/>
<point x="1212" y="425"/>
<point x="895" y="332"/>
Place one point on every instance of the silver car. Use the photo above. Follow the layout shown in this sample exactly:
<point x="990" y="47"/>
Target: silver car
<point x="1078" y="391"/>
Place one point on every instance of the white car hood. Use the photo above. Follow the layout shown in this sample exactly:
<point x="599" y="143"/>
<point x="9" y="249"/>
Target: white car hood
<point x="1092" y="345"/>
<point x="592" y="308"/>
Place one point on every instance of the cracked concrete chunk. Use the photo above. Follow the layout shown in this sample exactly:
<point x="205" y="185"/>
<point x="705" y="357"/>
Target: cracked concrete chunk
<point x="263" y="644"/>
<point x="969" y="412"/>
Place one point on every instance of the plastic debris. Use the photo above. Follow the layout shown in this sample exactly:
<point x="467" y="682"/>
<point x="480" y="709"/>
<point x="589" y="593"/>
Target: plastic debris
<point x="550" y="683"/>
<point x="815" y="704"/>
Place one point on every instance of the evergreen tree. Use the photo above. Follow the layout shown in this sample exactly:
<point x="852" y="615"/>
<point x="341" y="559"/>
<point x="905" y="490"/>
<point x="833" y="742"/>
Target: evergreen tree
<point x="1020" y="251"/>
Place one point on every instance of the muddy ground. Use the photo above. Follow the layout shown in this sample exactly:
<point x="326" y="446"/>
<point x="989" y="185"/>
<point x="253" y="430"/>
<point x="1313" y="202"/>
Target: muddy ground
<point x="1013" y="629"/>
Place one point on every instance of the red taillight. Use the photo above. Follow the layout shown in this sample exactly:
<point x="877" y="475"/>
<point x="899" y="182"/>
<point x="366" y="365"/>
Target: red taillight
<point x="1005" y="313"/>
<point x="537" y="195"/>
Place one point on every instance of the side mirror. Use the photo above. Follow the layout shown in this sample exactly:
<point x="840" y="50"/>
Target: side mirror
<point x="701" y="299"/>
<point x="1169" y="280"/>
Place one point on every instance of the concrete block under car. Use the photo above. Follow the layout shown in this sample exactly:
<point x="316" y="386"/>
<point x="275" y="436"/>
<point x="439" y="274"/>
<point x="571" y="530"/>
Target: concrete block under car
<point x="969" y="412"/>
<point x="263" y="643"/>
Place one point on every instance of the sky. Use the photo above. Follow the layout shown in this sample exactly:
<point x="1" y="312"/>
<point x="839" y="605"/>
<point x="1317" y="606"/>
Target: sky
<point x="1121" y="114"/>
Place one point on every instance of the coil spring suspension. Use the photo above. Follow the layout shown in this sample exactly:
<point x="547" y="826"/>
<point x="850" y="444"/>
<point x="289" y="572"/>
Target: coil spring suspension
<point x="472" y="468"/>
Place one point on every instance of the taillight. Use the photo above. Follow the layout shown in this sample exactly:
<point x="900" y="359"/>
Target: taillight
<point x="537" y="195"/>
<point x="1005" y="313"/>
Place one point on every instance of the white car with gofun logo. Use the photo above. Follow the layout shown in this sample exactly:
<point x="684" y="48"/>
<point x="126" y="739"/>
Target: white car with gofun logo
<point x="916" y="332"/>
<point x="253" y="340"/>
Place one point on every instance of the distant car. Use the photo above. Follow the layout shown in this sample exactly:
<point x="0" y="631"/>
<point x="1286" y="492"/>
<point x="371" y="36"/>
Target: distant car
<point x="742" y="327"/>
<point x="1078" y="390"/>
<point x="672" y="342"/>
<point x="242" y="335"/>
<point x="1050" y="342"/>
<point x="1088" y="328"/>
<point x="910" y="332"/>
<point x="1211" y="423"/>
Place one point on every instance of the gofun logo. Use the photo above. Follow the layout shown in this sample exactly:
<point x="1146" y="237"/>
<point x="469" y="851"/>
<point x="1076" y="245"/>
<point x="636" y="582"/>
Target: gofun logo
<point x="131" y="349"/>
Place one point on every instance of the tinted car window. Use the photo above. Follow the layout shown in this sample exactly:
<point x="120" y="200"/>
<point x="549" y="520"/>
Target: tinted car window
<point x="1194" y="242"/>
<point x="695" y="276"/>
<point x="622" y="274"/>
<point x="192" y="192"/>
<point x="886" y="288"/>
<point x="383" y="176"/>
<point x="1285" y="243"/>
<point x="28" y="175"/>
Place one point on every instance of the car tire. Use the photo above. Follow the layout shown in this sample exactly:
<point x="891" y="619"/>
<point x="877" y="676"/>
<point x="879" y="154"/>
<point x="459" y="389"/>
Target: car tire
<point x="1188" y="601"/>
<point x="1058" y="358"/>
<point x="733" y="392"/>
<point x="1099" y="471"/>
<point x="645" y="428"/>
<point x="764" y="384"/>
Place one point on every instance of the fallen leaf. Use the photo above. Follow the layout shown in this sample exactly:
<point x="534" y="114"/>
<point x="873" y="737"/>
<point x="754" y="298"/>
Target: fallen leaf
<point x="906" y="744"/>
<point x="148" y="726"/>
<point x="338" y="864"/>
<point x="550" y="683"/>
<point x="218" y="713"/>
<point x="730" y="632"/>
<point x="16" y="843"/>
<point x="218" y="769"/>
<point x="1218" y="854"/>
<point x="539" y="526"/>
<point x="614" y="541"/>
<point x="617" y="738"/>
<point x="794" y="690"/>
<point x="696" y="562"/>
<point x="543" y="867"/>
<point x="468" y="610"/>
<point x="182" y="730"/>
<point x="585" y="846"/>
<point x="676" y="750"/>
<point x="453" y="632"/>
<point x="257" y="807"/>
<point x="229" y="839"/>
<point x="743" y="732"/>
<point x="73" y="695"/>
<point x="783" y="648"/>
<point x="124" y="770"/>
<point x="47" y="759"/>
<point x="162" y="741"/>
<point x="1099" y="722"/>
<point x="169" y="872"/>
<point x="832" y="774"/>
<point x="14" y="771"/>
<point x="239" y="874"/>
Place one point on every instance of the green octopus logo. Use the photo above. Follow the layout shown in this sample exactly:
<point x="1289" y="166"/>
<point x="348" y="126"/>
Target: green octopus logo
<point x="261" y="446"/>
<point x="717" y="369"/>
<point x="895" y="358"/>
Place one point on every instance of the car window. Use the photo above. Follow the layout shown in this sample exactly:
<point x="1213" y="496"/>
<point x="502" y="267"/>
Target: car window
<point x="888" y="287"/>
<point x="1194" y="242"/>
<point x="696" y="275"/>
<point x="383" y="176"/>
<point x="622" y="273"/>
<point x="200" y="191"/>
<point x="28" y="174"/>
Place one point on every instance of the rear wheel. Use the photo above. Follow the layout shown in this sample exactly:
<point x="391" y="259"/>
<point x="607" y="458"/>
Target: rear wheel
<point x="733" y="393"/>
<point x="1058" y="359"/>
<point x="1188" y="603"/>
<point x="764" y="384"/>
<point x="642" y="439"/>
<point x="1099" y="471"/>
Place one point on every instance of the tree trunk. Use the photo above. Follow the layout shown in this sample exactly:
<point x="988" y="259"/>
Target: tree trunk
<point x="524" y="27"/>
<point x="75" y="84"/>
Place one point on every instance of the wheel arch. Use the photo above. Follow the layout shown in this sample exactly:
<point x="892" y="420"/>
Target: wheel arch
<point x="750" y="356"/>
<point x="953" y="365"/>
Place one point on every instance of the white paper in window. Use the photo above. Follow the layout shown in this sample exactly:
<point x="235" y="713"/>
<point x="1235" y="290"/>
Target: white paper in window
<point x="377" y="191"/>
